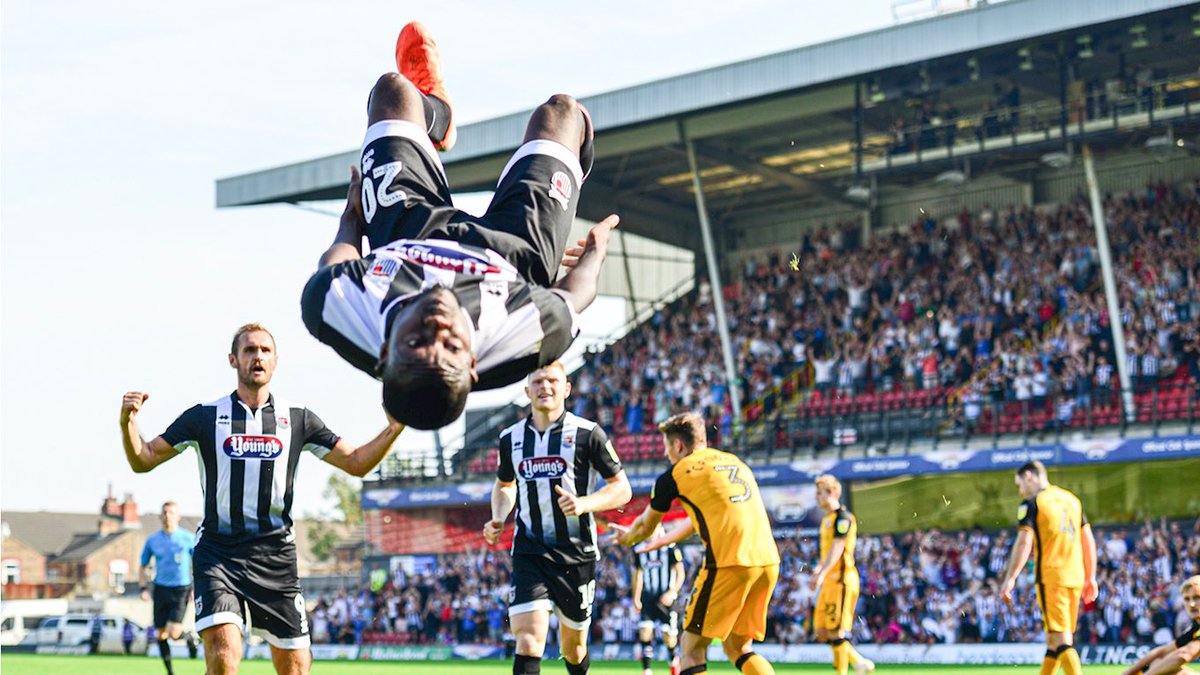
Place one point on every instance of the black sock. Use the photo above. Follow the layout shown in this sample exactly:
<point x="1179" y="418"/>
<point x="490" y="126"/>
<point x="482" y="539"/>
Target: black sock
<point x="164" y="650"/>
<point x="192" y="645"/>
<point x="527" y="665"/>
<point x="647" y="655"/>
<point x="702" y="668"/>
<point x="580" y="668"/>
<point x="587" y="152"/>
<point x="437" y="116"/>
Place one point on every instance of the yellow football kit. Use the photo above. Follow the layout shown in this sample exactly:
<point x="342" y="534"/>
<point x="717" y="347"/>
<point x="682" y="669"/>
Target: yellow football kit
<point x="839" y="589"/>
<point x="1056" y="518"/>
<point x="741" y="561"/>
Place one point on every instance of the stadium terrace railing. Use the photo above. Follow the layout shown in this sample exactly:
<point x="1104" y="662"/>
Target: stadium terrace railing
<point x="887" y="421"/>
<point x="1156" y="103"/>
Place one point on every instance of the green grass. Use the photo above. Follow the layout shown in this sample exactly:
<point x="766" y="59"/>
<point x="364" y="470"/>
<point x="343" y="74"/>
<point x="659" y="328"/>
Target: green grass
<point x="33" y="664"/>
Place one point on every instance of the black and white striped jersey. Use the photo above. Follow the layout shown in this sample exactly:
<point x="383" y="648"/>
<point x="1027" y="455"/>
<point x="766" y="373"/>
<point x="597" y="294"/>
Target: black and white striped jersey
<point x="516" y="326"/>
<point x="248" y="460"/>
<point x="658" y="570"/>
<point x="570" y="454"/>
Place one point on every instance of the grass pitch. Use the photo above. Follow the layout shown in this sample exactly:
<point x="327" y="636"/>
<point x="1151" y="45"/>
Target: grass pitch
<point x="33" y="664"/>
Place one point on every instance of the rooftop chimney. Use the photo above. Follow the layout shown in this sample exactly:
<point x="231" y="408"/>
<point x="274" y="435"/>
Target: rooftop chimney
<point x="129" y="513"/>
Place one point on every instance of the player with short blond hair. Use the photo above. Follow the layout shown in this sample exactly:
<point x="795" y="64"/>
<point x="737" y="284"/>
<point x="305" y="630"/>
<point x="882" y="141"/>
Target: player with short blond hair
<point x="1173" y="657"/>
<point x="837" y="577"/>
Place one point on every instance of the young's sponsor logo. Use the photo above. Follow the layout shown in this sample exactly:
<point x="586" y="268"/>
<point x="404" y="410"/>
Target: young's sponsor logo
<point x="249" y="446"/>
<point x="542" y="468"/>
<point x="443" y="257"/>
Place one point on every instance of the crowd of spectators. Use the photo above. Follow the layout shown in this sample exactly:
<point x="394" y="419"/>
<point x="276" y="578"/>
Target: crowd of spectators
<point x="1003" y="304"/>
<point x="918" y="587"/>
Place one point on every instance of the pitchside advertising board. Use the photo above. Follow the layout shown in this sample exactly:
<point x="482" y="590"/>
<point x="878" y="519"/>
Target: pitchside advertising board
<point x="963" y="654"/>
<point x="1072" y="452"/>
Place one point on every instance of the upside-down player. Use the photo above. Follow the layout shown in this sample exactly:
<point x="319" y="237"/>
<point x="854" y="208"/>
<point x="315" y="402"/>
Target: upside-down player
<point x="837" y="577"/>
<point x="1065" y="562"/>
<point x="1173" y="657"/>
<point x="741" y="561"/>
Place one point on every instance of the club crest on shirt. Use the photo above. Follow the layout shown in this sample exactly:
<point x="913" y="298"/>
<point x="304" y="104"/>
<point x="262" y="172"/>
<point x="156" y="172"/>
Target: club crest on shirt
<point x="1022" y="511"/>
<point x="542" y="468"/>
<point x="249" y="446"/>
<point x="561" y="188"/>
<point x="283" y="422"/>
<point x="384" y="267"/>
<point x="842" y="525"/>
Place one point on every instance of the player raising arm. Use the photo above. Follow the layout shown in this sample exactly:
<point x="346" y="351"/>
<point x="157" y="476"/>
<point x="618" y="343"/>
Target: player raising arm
<point x="249" y="444"/>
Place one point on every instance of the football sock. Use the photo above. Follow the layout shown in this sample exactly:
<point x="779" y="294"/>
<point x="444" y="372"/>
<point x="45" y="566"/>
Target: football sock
<point x="841" y="655"/>
<point x="855" y="657"/>
<point x="527" y="665"/>
<point x="647" y="655"/>
<point x="164" y="650"/>
<point x="1049" y="664"/>
<point x="437" y="116"/>
<point x="752" y="663"/>
<point x="1068" y="658"/>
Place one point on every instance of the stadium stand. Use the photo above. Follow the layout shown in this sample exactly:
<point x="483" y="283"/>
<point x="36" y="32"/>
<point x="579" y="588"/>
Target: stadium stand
<point x="984" y="323"/>
<point x="918" y="587"/>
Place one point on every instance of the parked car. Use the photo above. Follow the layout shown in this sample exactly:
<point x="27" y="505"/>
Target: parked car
<point x="76" y="629"/>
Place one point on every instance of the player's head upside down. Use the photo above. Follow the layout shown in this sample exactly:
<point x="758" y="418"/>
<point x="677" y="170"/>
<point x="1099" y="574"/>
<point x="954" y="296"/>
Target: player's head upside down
<point x="427" y="364"/>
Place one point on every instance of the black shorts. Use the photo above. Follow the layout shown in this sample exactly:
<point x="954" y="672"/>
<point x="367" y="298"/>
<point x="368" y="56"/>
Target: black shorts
<point x="260" y="574"/>
<point x="170" y="604"/>
<point x="405" y="196"/>
<point x="567" y="590"/>
<point x="653" y="612"/>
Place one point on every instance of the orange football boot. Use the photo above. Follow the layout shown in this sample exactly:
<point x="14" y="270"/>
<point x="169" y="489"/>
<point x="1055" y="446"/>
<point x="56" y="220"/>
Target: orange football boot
<point x="418" y="60"/>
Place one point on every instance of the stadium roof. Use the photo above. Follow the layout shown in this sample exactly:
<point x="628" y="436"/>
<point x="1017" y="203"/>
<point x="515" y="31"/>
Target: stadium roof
<point x="763" y="126"/>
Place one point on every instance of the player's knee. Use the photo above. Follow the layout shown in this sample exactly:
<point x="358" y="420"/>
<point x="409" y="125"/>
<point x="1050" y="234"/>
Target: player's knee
<point x="734" y="646"/>
<point x="389" y="95"/>
<point x="645" y="634"/>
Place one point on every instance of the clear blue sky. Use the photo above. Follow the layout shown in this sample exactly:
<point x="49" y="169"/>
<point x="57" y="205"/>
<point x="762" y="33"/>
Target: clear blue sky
<point x="118" y="272"/>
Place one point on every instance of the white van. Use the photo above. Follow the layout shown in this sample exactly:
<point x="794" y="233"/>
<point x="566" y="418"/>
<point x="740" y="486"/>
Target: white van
<point x="76" y="629"/>
<point x="19" y="619"/>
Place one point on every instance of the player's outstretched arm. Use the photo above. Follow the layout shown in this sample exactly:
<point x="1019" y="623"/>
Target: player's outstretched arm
<point x="347" y="244"/>
<point x="1175" y="659"/>
<point x="504" y="498"/>
<point x="1020" y="553"/>
<point x="361" y="460"/>
<point x="585" y="261"/>
<point x="1149" y="657"/>
<point x="142" y="456"/>
<point x="682" y="530"/>
<point x="642" y="527"/>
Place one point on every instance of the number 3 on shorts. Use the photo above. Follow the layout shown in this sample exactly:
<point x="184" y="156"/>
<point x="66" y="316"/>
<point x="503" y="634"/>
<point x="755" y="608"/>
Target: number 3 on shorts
<point x="587" y="594"/>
